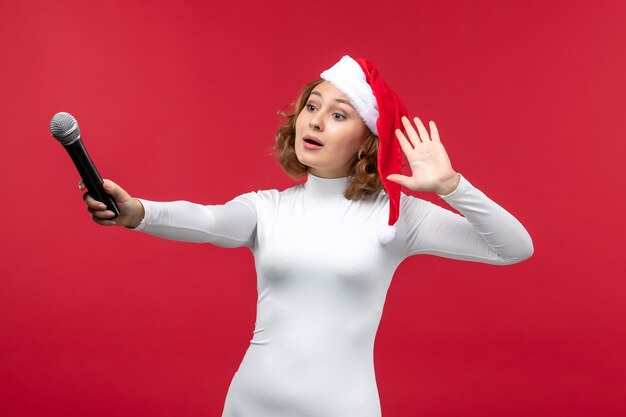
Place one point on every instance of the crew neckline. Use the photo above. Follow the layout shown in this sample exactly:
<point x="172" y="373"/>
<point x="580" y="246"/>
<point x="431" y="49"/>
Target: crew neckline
<point x="325" y="186"/>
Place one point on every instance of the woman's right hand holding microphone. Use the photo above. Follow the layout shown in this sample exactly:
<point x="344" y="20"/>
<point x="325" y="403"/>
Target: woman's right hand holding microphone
<point x="131" y="209"/>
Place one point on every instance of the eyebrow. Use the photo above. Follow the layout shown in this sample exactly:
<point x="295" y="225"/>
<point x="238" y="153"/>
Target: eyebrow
<point x="339" y="100"/>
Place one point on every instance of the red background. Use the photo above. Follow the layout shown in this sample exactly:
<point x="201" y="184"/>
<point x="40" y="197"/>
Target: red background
<point x="178" y="100"/>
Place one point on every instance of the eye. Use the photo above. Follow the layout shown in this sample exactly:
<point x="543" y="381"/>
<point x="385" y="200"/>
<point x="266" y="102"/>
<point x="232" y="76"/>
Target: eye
<point x="339" y="116"/>
<point x="310" y="107"/>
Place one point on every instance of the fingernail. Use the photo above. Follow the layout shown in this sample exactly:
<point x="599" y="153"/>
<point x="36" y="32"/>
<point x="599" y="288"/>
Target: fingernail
<point x="102" y="206"/>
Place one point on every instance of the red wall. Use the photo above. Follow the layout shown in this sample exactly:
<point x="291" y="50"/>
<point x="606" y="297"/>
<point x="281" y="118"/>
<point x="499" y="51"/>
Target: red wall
<point x="178" y="100"/>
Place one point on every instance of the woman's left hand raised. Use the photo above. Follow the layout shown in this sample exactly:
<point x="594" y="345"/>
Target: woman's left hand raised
<point x="430" y="166"/>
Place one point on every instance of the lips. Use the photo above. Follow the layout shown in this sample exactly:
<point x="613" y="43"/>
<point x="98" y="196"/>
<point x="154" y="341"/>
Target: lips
<point x="312" y="142"/>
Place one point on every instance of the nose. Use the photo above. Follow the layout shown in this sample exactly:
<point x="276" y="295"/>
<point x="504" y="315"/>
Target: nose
<point x="315" y="122"/>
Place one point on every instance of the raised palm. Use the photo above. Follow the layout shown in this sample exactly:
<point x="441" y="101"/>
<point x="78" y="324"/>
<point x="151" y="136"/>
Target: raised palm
<point x="431" y="169"/>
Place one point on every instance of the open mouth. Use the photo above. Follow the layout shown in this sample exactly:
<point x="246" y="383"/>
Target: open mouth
<point x="312" y="142"/>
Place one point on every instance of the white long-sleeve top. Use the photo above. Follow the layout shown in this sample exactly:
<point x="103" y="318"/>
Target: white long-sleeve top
<point x="322" y="279"/>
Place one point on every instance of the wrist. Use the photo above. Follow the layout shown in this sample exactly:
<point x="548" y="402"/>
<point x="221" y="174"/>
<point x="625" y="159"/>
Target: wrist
<point x="449" y="185"/>
<point x="138" y="215"/>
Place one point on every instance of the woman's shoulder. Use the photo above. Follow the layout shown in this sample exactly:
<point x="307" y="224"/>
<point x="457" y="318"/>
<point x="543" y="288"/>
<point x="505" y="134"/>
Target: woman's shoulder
<point x="412" y="207"/>
<point x="413" y="201"/>
<point x="270" y="195"/>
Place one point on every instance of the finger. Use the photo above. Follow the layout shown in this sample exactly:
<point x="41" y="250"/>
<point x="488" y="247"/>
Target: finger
<point x="93" y="203"/>
<point x="421" y="129"/>
<point x="101" y="214"/>
<point x="410" y="130"/>
<point x="399" y="179"/>
<point x="404" y="142"/>
<point x="434" y="133"/>
<point x="104" y="222"/>
<point x="116" y="191"/>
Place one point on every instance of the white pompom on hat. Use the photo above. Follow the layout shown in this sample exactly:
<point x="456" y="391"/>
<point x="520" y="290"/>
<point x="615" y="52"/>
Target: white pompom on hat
<point x="381" y="110"/>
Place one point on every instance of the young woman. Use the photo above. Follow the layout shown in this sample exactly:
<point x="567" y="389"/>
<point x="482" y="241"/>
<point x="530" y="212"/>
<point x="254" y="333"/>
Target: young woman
<point x="326" y="250"/>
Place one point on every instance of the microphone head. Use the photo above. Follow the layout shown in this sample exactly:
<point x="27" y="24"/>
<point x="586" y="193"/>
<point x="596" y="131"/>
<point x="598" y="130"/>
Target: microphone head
<point x="64" y="128"/>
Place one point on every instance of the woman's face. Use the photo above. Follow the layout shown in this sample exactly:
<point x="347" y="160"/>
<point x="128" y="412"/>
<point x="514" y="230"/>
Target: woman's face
<point x="329" y="132"/>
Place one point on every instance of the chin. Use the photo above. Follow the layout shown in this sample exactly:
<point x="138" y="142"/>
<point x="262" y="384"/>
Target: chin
<point x="303" y="159"/>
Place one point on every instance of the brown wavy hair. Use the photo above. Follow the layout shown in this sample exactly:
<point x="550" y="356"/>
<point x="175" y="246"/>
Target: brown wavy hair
<point x="363" y="173"/>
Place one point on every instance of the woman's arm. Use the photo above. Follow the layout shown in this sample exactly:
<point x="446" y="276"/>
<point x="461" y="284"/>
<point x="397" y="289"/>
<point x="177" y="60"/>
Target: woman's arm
<point x="230" y="225"/>
<point x="486" y="233"/>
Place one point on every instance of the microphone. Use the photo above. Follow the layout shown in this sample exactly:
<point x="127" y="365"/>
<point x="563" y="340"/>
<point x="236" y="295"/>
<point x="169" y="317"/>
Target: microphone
<point x="64" y="128"/>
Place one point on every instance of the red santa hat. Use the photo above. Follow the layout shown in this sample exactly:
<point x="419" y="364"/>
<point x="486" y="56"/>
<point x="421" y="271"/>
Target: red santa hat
<point x="381" y="110"/>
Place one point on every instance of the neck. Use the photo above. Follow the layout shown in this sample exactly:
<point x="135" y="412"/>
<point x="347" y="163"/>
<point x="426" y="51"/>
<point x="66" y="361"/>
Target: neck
<point x="325" y="186"/>
<point x="330" y="173"/>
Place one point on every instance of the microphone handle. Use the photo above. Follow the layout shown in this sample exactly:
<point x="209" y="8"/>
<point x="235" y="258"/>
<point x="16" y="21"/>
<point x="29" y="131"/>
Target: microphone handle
<point x="90" y="175"/>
